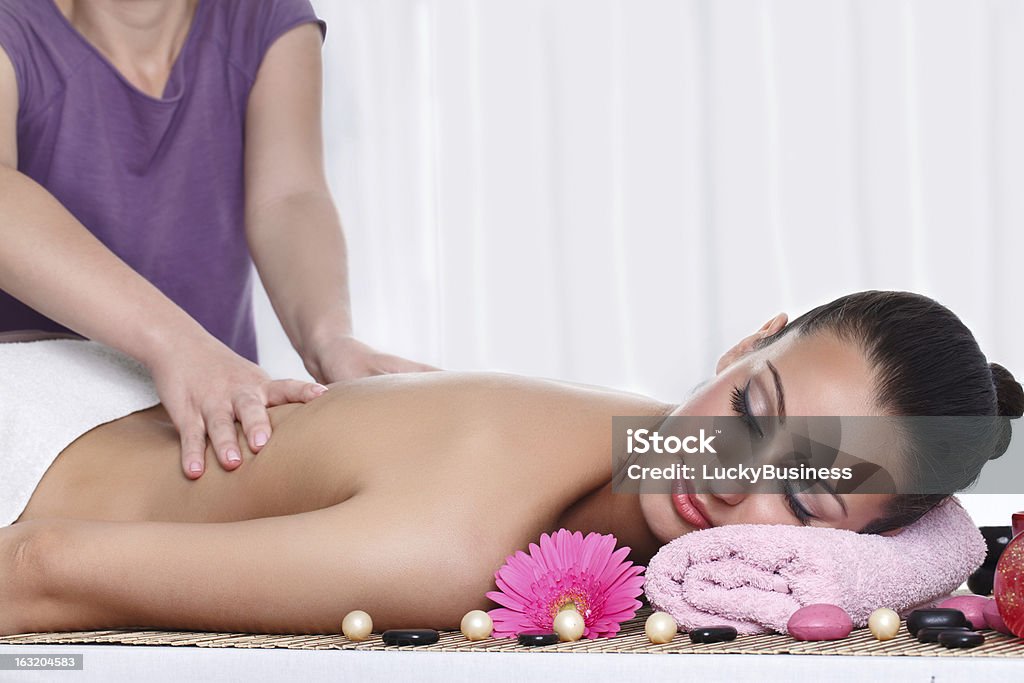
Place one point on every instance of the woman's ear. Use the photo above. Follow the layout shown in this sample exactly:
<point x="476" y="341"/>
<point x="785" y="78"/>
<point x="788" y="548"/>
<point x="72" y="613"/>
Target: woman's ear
<point x="746" y="345"/>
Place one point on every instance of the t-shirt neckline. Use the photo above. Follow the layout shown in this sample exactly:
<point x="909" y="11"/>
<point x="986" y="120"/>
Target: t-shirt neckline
<point x="193" y="29"/>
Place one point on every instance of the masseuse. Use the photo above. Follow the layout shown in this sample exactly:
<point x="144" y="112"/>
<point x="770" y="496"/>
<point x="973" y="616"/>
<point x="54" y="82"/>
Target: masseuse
<point x="150" y="151"/>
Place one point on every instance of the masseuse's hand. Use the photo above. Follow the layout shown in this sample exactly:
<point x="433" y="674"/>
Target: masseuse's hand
<point x="343" y="358"/>
<point x="206" y="390"/>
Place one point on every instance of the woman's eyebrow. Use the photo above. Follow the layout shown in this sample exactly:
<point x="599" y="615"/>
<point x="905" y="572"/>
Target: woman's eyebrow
<point x="780" y="395"/>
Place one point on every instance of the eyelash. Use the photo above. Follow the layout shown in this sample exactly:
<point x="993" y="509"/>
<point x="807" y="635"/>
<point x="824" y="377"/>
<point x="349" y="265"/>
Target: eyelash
<point x="738" y="402"/>
<point x="798" y="510"/>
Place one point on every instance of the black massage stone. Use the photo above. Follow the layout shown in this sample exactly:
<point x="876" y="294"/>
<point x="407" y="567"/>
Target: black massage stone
<point x="930" y="634"/>
<point x="410" y="636"/>
<point x="535" y="638"/>
<point x="712" y="634"/>
<point x="952" y="639"/>
<point x="938" y="617"/>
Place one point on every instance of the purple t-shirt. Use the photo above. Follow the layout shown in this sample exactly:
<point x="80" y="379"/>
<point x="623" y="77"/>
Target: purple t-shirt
<point x="159" y="181"/>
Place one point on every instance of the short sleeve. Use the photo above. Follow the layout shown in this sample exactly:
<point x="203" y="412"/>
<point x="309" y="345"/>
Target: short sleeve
<point x="255" y="26"/>
<point x="14" y="43"/>
<point x="34" y="49"/>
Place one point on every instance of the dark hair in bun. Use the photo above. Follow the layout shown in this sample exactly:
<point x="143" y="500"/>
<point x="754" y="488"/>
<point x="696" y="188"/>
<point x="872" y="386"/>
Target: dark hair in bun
<point x="1009" y="394"/>
<point x="927" y="363"/>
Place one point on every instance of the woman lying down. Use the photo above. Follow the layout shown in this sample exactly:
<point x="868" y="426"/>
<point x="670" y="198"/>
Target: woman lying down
<point x="401" y="495"/>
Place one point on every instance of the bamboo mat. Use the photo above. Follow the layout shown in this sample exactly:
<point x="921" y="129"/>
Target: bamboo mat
<point x="630" y="640"/>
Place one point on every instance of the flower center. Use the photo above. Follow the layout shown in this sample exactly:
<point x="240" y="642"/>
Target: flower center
<point x="574" y="599"/>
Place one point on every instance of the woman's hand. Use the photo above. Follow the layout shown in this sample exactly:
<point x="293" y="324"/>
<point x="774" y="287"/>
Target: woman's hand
<point x="205" y="391"/>
<point x="344" y="357"/>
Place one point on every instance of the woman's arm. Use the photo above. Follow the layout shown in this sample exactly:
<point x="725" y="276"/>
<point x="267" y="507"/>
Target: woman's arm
<point x="52" y="263"/>
<point x="293" y="574"/>
<point x="293" y="229"/>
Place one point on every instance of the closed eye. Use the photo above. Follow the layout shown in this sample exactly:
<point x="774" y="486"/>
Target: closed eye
<point x="801" y="513"/>
<point x="741" y="405"/>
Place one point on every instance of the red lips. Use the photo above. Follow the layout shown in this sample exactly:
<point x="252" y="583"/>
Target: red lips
<point x="689" y="508"/>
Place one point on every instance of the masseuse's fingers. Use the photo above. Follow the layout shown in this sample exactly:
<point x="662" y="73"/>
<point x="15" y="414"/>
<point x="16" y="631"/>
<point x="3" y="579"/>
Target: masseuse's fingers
<point x="220" y="425"/>
<point x="252" y="413"/>
<point x="193" y="449"/>
<point x="281" y="391"/>
<point x="252" y="410"/>
<point x="208" y="389"/>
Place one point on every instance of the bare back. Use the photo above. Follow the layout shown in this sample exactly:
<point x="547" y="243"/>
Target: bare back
<point x="459" y="445"/>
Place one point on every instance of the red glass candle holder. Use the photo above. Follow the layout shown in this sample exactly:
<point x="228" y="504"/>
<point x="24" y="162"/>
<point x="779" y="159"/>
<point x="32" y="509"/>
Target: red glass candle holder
<point x="1008" y="586"/>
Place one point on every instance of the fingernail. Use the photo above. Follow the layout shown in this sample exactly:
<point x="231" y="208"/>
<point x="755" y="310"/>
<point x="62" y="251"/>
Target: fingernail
<point x="195" y="468"/>
<point x="234" y="457"/>
<point x="260" y="439"/>
<point x="319" y="389"/>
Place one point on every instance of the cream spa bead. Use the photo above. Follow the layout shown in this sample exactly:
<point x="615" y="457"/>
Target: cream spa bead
<point x="884" y="623"/>
<point x="569" y="626"/>
<point x="357" y="625"/>
<point x="476" y="625"/>
<point x="660" y="628"/>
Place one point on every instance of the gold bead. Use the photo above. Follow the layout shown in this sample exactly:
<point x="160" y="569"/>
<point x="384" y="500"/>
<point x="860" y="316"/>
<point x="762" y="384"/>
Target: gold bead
<point x="357" y="625"/>
<point x="884" y="623"/>
<point x="660" y="628"/>
<point x="569" y="626"/>
<point x="477" y="625"/>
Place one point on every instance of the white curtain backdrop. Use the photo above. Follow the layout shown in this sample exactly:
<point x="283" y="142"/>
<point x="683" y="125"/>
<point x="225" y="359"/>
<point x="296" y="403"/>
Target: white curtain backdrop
<point x="615" y="191"/>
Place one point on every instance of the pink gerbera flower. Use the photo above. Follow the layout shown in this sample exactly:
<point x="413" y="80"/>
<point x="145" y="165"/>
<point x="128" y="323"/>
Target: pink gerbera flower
<point x="567" y="570"/>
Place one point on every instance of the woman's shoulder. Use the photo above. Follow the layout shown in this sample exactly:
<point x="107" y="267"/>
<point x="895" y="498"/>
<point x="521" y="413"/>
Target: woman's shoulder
<point x="247" y="29"/>
<point x="34" y="35"/>
<point x="24" y="23"/>
<point x="18" y="11"/>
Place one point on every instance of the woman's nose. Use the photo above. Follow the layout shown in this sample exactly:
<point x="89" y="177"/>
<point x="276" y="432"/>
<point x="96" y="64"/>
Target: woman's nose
<point x="730" y="498"/>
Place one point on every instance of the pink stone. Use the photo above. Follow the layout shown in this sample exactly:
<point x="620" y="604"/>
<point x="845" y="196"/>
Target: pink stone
<point x="994" y="621"/>
<point x="819" y="622"/>
<point x="973" y="607"/>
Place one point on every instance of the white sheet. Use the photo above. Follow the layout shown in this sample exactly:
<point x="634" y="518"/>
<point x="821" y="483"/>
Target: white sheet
<point x="51" y="392"/>
<point x="113" y="663"/>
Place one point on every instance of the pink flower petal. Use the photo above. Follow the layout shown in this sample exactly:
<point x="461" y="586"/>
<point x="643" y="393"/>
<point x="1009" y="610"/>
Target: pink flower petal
<point x="567" y="566"/>
<point x="506" y="600"/>
<point x="517" y="589"/>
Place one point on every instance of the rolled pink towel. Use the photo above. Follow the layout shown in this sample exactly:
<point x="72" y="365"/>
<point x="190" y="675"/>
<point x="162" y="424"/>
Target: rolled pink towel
<point x="754" y="576"/>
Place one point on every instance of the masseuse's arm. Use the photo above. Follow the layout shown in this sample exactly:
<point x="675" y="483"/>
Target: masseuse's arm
<point x="52" y="263"/>
<point x="293" y="228"/>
